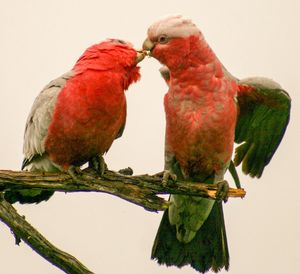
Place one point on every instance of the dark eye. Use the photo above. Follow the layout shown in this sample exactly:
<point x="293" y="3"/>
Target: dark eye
<point x="118" y="41"/>
<point x="121" y="41"/>
<point x="163" y="39"/>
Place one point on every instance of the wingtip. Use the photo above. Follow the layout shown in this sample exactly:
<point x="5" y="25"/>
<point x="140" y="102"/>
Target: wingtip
<point x="25" y="163"/>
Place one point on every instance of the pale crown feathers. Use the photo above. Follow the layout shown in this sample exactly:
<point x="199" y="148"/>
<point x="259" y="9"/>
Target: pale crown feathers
<point x="173" y="26"/>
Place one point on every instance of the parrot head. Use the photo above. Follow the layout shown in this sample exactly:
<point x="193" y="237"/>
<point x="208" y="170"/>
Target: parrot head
<point x="171" y="39"/>
<point x="114" y="55"/>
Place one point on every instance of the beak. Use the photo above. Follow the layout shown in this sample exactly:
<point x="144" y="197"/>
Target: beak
<point x="140" y="55"/>
<point x="148" y="45"/>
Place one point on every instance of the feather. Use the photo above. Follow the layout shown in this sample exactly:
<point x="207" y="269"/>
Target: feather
<point x="262" y="121"/>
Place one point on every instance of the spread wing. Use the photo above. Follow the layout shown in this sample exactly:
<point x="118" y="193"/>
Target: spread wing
<point x="262" y="121"/>
<point x="40" y="117"/>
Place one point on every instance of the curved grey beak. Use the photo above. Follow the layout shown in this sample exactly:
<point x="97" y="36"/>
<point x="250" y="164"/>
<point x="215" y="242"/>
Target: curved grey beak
<point x="140" y="55"/>
<point x="148" y="45"/>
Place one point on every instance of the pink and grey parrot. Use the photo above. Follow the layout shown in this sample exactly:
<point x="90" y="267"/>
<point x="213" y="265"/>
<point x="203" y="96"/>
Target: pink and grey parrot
<point x="207" y="110"/>
<point x="76" y="117"/>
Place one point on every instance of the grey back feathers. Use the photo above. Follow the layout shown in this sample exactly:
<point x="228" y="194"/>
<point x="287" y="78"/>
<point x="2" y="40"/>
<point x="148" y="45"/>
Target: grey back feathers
<point x="40" y="117"/>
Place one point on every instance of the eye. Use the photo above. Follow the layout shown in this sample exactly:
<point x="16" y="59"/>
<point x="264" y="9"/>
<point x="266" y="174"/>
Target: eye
<point x="121" y="41"/>
<point x="163" y="39"/>
<point x="118" y="41"/>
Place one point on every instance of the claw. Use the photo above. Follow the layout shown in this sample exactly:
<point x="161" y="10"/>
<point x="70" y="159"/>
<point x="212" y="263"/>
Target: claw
<point x="159" y="174"/>
<point x="167" y="175"/>
<point x="98" y="164"/>
<point x="74" y="171"/>
<point x="222" y="192"/>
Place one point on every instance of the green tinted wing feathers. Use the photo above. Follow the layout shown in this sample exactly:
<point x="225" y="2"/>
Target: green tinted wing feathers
<point x="262" y="121"/>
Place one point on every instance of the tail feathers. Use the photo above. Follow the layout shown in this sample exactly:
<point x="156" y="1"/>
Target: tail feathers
<point x="27" y="197"/>
<point x="207" y="251"/>
<point x="37" y="163"/>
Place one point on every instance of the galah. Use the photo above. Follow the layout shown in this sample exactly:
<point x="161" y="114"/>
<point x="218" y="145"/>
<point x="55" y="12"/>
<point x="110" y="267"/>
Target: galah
<point x="207" y="110"/>
<point x="76" y="117"/>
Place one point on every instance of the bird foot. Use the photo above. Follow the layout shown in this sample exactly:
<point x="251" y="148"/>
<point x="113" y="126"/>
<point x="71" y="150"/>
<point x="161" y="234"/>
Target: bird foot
<point x="74" y="172"/>
<point x="222" y="192"/>
<point x="98" y="164"/>
<point x="168" y="175"/>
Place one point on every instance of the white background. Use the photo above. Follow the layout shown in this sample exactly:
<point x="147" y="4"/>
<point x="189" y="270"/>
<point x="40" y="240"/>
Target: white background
<point x="40" y="40"/>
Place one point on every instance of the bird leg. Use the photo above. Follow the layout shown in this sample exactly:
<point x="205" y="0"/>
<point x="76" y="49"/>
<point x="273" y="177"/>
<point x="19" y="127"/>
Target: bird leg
<point x="98" y="164"/>
<point x="167" y="175"/>
<point x="74" y="171"/>
<point x="169" y="171"/>
<point x="222" y="192"/>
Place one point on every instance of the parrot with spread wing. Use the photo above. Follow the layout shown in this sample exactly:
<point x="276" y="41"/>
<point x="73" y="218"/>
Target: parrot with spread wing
<point x="76" y="117"/>
<point x="207" y="110"/>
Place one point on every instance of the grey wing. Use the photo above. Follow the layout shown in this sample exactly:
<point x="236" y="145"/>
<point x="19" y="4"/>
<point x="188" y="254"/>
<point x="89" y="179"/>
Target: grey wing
<point x="40" y="117"/>
<point x="165" y="73"/>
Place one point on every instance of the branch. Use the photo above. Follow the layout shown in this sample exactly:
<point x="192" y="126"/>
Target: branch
<point x="23" y="230"/>
<point x="141" y="190"/>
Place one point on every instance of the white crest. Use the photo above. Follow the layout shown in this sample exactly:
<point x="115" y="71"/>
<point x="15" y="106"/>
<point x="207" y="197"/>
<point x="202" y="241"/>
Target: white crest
<point x="173" y="26"/>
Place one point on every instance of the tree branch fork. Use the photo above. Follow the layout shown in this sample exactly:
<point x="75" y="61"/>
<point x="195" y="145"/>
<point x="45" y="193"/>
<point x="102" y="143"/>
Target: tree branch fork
<point x="142" y="190"/>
